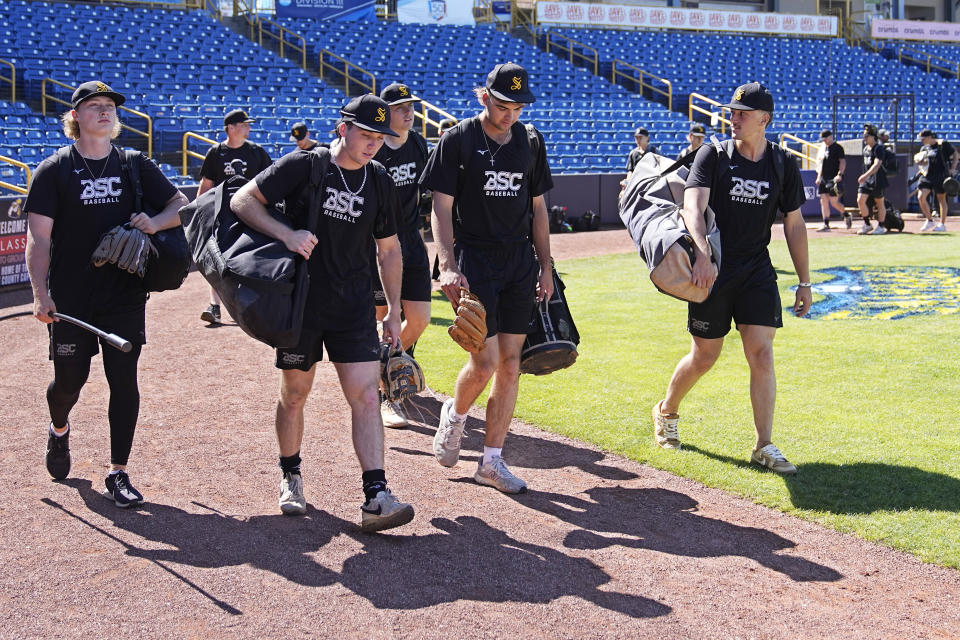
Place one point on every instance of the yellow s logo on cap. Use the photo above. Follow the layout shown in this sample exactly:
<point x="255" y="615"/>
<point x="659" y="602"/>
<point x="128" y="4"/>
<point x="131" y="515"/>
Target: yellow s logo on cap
<point x="517" y="84"/>
<point x="403" y="91"/>
<point x="381" y="114"/>
<point x="101" y="87"/>
<point x="738" y="95"/>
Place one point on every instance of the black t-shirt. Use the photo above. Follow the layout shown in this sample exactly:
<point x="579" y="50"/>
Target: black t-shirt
<point x="832" y="156"/>
<point x="686" y="151"/>
<point x="88" y="207"/>
<point x="222" y="162"/>
<point x="746" y="200"/>
<point x="938" y="158"/>
<point x="879" y="179"/>
<point x="494" y="206"/>
<point x="636" y="154"/>
<point x="339" y="266"/>
<point x="405" y="165"/>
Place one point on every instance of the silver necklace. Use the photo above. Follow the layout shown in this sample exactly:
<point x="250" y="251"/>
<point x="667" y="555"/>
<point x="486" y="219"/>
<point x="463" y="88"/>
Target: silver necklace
<point x="105" y="163"/>
<point x="344" y="180"/>
<point x="486" y="141"/>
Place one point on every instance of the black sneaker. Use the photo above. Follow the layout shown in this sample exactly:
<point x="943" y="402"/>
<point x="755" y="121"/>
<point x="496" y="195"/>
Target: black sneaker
<point x="58" y="455"/>
<point x="121" y="491"/>
<point x="212" y="314"/>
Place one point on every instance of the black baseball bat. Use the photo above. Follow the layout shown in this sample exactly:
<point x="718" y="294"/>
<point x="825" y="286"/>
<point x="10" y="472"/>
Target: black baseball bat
<point x="112" y="339"/>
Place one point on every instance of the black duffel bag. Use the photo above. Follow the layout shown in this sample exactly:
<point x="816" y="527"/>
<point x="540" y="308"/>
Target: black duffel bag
<point x="262" y="284"/>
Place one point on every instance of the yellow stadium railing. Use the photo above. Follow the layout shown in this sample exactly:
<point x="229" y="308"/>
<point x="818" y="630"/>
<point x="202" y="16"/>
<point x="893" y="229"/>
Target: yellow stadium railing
<point x="148" y="133"/>
<point x="241" y="9"/>
<point x="189" y="153"/>
<point x="523" y="14"/>
<point x="715" y="116"/>
<point x="926" y="60"/>
<point x="383" y="11"/>
<point x="483" y="11"/>
<point x="12" y="80"/>
<point x="345" y="73"/>
<point x="667" y="93"/>
<point x="213" y="8"/>
<point x="19" y="165"/>
<point x="575" y="54"/>
<point x="808" y="153"/>
<point x="282" y="38"/>
<point x="426" y="121"/>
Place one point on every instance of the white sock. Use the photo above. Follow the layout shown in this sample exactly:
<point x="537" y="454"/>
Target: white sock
<point x="489" y="453"/>
<point x="457" y="417"/>
<point x="59" y="435"/>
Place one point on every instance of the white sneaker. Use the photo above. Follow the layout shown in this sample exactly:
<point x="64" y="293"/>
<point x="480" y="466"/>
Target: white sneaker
<point x="665" y="430"/>
<point x="384" y="512"/>
<point x="770" y="457"/>
<point x="940" y="228"/>
<point x="497" y="475"/>
<point x="393" y="415"/>
<point x="879" y="231"/>
<point x="292" y="502"/>
<point x="865" y="229"/>
<point x="928" y="225"/>
<point x="824" y="229"/>
<point x="446" y="443"/>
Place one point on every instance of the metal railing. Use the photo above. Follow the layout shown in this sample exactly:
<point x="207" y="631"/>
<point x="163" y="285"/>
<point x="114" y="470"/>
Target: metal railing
<point x="668" y="93"/>
<point x="524" y="15"/>
<point x="15" y="187"/>
<point x="148" y="134"/>
<point x="213" y="8"/>
<point x="345" y="73"/>
<point x="188" y="153"/>
<point x="715" y="116"/>
<point x="483" y="11"/>
<point x="925" y="60"/>
<point x="12" y="80"/>
<point x="282" y="39"/>
<point x="569" y="46"/>
<point x="241" y="9"/>
<point x="426" y="121"/>
<point x="809" y="159"/>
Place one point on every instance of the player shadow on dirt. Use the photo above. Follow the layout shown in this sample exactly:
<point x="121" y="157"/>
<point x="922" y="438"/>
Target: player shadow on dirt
<point x="466" y="559"/>
<point x="522" y="451"/>
<point x="862" y="487"/>
<point x="666" y="521"/>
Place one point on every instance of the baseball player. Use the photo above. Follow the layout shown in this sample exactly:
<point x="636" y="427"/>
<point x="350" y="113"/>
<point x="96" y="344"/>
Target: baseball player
<point x="833" y="162"/>
<point x="358" y="204"/>
<point x="404" y="157"/>
<point x="73" y="200"/>
<point x="301" y="136"/>
<point x="872" y="181"/>
<point x="745" y="197"/>
<point x="237" y="156"/>
<point x="488" y="175"/>
<point x="695" y="138"/>
<point x="940" y="160"/>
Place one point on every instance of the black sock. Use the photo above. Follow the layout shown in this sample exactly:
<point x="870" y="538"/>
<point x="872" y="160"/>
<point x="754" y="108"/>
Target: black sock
<point x="374" y="481"/>
<point x="410" y="349"/>
<point x="291" y="464"/>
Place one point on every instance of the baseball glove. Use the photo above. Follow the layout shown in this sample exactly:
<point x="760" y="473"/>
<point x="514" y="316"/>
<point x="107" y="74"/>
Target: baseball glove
<point x="127" y="247"/>
<point x="400" y="375"/>
<point x="469" y="328"/>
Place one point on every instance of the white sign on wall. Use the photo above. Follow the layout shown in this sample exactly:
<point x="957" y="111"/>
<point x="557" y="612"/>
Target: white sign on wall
<point x="915" y="30"/>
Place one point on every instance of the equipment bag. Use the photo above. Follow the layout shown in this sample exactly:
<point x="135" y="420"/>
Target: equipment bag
<point x="890" y="163"/>
<point x="552" y="342"/>
<point x="262" y="284"/>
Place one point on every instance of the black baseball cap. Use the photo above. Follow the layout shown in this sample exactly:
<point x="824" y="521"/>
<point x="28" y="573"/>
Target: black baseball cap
<point x="641" y="131"/>
<point x="93" y="89"/>
<point x="369" y="112"/>
<point x="397" y="93"/>
<point x="299" y="131"/>
<point x="237" y="116"/>
<point x="826" y="133"/>
<point x="509" y="82"/>
<point x="697" y="129"/>
<point x="446" y="123"/>
<point x="752" y="96"/>
<point x="926" y="133"/>
<point x="870" y="130"/>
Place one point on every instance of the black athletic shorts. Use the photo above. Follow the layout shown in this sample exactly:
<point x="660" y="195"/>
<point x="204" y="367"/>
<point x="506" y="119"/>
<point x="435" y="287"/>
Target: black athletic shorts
<point x="822" y="188"/>
<point x="934" y="185"/>
<point x="750" y="295"/>
<point x="416" y="270"/>
<point x="505" y="280"/>
<point x="871" y="189"/>
<point x="357" y="344"/>
<point x="70" y="343"/>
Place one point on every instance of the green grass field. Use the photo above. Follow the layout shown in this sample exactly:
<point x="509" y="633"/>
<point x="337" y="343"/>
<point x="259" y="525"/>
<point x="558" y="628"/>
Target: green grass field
<point x="867" y="409"/>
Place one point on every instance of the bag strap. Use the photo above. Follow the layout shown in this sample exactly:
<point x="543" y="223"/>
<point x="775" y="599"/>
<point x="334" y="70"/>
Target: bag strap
<point x="130" y="164"/>
<point x="320" y="162"/>
<point x="63" y="169"/>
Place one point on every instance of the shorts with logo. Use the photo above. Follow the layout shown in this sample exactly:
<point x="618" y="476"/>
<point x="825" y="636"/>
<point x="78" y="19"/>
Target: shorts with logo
<point x="505" y="280"/>
<point x="933" y="185"/>
<point x="822" y="187"/>
<point x="70" y="343"/>
<point x="416" y="270"/>
<point x="748" y="296"/>
<point x="356" y="344"/>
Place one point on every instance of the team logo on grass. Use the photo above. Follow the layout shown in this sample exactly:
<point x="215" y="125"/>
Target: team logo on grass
<point x="887" y="293"/>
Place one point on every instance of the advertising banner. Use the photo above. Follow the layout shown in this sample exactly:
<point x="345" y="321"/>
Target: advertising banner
<point x="13" y="243"/>
<point x="328" y="9"/>
<point x="435" y="11"/>
<point x="585" y="14"/>
<point x="915" y="30"/>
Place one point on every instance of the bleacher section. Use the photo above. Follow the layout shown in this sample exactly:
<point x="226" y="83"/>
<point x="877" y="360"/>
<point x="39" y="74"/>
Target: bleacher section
<point x="587" y="122"/>
<point x="803" y="74"/>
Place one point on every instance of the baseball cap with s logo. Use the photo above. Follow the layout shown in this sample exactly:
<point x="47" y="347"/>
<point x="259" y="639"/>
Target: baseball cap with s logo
<point x="509" y="82"/>
<point x="368" y="112"/>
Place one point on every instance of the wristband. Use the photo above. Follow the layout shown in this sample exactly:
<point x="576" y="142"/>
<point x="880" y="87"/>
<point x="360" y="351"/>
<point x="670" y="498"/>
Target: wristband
<point x="804" y="284"/>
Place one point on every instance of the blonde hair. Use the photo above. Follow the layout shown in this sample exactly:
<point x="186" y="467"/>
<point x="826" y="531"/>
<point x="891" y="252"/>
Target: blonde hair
<point x="71" y="128"/>
<point x="479" y="92"/>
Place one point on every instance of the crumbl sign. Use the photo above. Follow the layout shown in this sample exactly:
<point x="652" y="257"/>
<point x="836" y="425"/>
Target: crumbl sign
<point x="594" y="14"/>
<point x="915" y="30"/>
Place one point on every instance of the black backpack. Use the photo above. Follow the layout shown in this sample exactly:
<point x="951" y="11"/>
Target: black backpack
<point x="890" y="162"/>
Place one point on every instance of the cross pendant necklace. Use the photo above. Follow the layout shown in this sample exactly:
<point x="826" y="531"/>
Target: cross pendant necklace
<point x="486" y="141"/>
